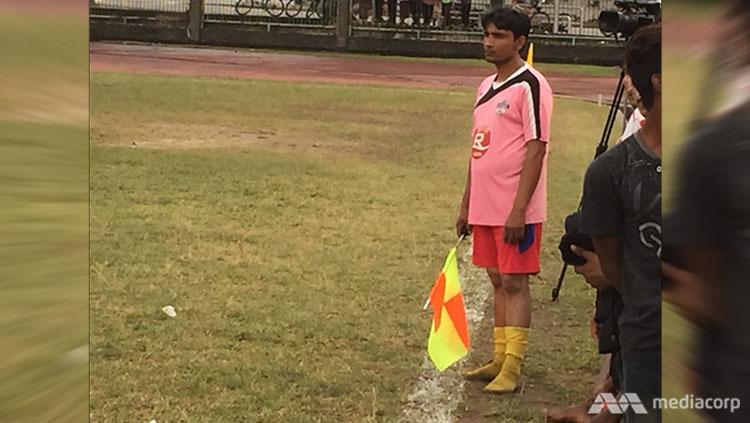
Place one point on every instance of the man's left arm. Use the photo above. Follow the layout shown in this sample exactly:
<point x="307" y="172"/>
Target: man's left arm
<point x="532" y="169"/>
<point x="536" y="115"/>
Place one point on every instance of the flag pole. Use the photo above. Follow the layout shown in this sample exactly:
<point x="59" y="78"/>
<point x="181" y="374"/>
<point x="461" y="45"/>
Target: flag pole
<point x="427" y="303"/>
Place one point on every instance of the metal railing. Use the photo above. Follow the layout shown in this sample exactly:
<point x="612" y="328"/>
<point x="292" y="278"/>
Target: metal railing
<point x="147" y="5"/>
<point x="548" y="17"/>
<point x="283" y="12"/>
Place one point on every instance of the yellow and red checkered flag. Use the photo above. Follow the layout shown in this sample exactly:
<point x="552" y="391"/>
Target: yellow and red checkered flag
<point x="449" y="334"/>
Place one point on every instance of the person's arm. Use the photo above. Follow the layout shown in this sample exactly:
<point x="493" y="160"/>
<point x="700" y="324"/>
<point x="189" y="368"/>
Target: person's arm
<point x="536" y="115"/>
<point x="532" y="169"/>
<point x="696" y="290"/>
<point x="591" y="270"/>
<point x="601" y="215"/>
<point x="462" y="222"/>
<point x="609" y="250"/>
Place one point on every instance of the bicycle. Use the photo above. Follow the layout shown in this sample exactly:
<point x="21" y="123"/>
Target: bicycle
<point x="293" y="8"/>
<point x="274" y="8"/>
<point x="315" y="8"/>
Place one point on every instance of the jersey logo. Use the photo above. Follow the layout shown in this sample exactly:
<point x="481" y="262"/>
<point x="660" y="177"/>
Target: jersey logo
<point x="481" y="143"/>
<point x="502" y="107"/>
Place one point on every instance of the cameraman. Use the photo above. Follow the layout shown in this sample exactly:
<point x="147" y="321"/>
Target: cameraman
<point x="621" y="210"/>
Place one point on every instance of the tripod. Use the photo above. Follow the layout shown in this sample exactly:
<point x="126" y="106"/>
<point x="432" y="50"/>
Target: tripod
<point x="600" y="149"/>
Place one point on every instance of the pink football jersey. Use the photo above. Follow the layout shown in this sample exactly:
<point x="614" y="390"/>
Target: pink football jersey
<point x="507" y="115"/>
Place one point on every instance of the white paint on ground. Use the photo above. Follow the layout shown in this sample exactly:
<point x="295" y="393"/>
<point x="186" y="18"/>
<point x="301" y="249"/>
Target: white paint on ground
<point x="436" y="395"/>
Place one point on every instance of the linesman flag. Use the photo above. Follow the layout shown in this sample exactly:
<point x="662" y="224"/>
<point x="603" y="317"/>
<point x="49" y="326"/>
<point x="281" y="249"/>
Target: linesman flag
<point x="449" y="333"/>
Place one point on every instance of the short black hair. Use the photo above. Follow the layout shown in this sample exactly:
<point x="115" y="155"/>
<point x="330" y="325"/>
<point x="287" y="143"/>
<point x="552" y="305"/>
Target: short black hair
<point x="508" y="19"/>
<point x="643" y="60"/>
<point x="740" y="9"/>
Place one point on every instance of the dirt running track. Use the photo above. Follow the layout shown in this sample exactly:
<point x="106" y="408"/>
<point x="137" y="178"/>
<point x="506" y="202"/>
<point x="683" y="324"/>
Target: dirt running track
<point x="247" y="64"/>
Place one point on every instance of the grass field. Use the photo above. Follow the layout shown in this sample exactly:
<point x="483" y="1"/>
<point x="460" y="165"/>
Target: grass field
<point x="43" y="220"/>
<point x="296" y="229"/>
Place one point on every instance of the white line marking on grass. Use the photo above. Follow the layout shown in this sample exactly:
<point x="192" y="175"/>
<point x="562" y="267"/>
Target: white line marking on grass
<point x="436" y="395"/>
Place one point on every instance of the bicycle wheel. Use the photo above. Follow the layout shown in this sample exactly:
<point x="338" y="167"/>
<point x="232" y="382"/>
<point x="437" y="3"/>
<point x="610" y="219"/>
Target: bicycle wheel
<point x="274" y="8"/>
<point x="243" y="7"/>
<point x="312" y="10"/>
<point x="540" y="23"/>
<point x="293" y="8"/>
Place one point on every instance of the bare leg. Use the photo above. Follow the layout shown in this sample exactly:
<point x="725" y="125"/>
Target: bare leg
<point x="498" y="295"/>
<point x="517" y="300"/>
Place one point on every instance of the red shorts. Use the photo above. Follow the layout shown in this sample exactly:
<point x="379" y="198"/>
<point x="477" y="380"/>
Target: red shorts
<point x="491" y="251"/>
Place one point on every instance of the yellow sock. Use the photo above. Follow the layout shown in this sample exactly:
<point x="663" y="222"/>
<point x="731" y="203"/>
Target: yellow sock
<point x="498" y="335"/>
<point x="490" y="370"/>
<point x="507" y="381"/>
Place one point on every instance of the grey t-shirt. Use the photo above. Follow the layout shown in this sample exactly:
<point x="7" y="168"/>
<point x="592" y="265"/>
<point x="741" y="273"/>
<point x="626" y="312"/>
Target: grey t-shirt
<point x="622" y="199"/>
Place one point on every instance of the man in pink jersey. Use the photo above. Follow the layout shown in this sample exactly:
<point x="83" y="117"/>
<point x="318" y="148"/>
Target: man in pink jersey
<point x="505" y="199"/>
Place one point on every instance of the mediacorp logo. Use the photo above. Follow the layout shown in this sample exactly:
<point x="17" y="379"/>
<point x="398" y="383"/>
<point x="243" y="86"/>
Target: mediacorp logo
<point x="615" y="406"/>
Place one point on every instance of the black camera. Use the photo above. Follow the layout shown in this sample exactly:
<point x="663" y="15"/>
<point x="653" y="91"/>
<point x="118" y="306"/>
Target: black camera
<point x="632" y="14"/>
<point x="573" y="236"/>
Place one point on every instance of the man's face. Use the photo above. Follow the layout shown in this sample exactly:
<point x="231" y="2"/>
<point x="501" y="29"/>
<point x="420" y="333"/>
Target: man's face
<point x="499" y="45"/>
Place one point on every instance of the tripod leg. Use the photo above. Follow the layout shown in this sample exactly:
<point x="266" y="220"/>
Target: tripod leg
<point x="612" y="116"/>
<point x="556" y="290"/>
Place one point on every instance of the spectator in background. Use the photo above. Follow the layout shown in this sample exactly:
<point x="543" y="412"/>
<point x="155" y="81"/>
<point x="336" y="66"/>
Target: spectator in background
<point x="361" y="10"/>
<point x="447" y="6"/>
<point x="411" y="10"/>
<point x="428" y="10"/>
<point x="391" y="11"/>
<point x="465" y="13"/>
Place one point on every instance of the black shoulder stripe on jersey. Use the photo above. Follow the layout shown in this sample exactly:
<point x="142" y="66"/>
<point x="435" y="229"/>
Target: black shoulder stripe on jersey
<point x="529" y="78"/>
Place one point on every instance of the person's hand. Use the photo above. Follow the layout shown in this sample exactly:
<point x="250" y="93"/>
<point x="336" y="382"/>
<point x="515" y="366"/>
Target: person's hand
<point x="462" y="222"/>
<point x="592" y="269"/>
<point x="594" y="328"/>
<point x="694" y="298"/>
<point x="513" y="232"/>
